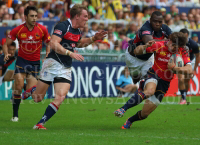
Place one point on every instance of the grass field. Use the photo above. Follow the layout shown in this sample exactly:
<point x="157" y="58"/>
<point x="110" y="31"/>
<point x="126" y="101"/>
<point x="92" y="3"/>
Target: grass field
<point x="90" y="121"/>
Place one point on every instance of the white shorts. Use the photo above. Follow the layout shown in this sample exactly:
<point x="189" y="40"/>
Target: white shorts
<point x="1" y="78"/>
<point x="52" y="69"/>
<point x="137" y="66"/>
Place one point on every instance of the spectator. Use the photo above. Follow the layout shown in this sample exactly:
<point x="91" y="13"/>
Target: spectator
<point x="112" y="9"/>
<point x="137" y="15"/>
<point x="111" y="40"/>
<point x="46" y="8"/>
<point x="183" y="18"/>
<point x="20" y="10"/>
<point x="131" y="33"/>
<point x="167" y="17"/>
<point x="177" y="20"/>
<point x="162" y="3"/>
<point x="6" y="17"/>
<point x="180" y="3"/>
<point x="117" y="46"/>
<point x="192" y="25"/>
<point x="122" y="36"/>
<point x="96" y="4"/>
<point x="124" y="84"/>
<point x="40" y="14"/>
<point x="189" y="3"/>
<point x="58" y="14"/>
<point x="195" y="38"/>
<point x="163" y="11"/>
<point x="120" y="15"/>
<point x="90" y="7"/>
<point x="197" y="21"/>
<point x="126" y="15"/>
<point x="173" y="10"/>
<point x="190" y="17"/>
<point x="93" y="30"/>
<point x="146" y="12"/>
<point x="85" y="30"/>
<point x="104" y="45"/>
<point x="11" y="12"/>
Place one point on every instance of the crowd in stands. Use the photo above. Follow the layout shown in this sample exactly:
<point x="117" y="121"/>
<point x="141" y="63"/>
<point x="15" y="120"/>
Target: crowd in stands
<point x="132" y="14"/>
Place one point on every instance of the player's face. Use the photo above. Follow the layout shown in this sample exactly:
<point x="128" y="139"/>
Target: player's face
<point x="12" y="50"/>
<point x="173" y="48"/>
<point x="31" y="18"/>
<point x="156" y="22"/>
<point x="83" y="18"/>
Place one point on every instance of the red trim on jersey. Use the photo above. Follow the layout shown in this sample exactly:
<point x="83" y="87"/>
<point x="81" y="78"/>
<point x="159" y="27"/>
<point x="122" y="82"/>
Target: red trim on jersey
<point x="72" y="37"/>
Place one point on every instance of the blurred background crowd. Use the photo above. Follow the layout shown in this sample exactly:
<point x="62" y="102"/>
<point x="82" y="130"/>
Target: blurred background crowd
<point x="121" y="18"/>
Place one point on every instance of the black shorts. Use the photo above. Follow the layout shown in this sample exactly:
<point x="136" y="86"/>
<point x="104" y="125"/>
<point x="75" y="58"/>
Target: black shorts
<point x="162" y="85"/>
<point x="57" y="80"/>
<point x="28" y="67"/>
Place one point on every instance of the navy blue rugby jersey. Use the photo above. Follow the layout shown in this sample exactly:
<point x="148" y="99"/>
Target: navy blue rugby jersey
<point x="70" y="38"/>
<point x="146" y="29"/>
<point x="193" y="48"/>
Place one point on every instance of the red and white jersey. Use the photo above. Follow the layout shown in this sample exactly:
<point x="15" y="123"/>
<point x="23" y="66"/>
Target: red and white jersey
<point x="30" y="42"/>
<point x="162" y="57"/>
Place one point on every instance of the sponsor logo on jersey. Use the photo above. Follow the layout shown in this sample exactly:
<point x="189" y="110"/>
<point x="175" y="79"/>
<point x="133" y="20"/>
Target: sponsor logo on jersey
<point x="146" y="32"/>
<point x="37" y="36"/>
<point x="23" y="35"/>
<point x="162" y="53"/>
<point x="56" y="31"/>
<point x="49" y="37"/>
<point x="162" y="59"/>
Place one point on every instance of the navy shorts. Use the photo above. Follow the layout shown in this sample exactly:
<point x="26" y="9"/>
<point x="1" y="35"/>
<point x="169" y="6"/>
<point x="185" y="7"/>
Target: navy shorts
<point x="162" y="85"/>
<point x="28" y="67"/>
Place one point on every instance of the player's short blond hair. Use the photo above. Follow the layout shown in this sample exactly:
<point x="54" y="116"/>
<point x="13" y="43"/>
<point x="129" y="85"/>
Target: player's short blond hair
<point x="76" y="10"/>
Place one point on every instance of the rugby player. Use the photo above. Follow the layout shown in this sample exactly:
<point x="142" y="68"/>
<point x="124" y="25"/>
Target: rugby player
<point x="30" y="36"/>
<point x="159" y="76"/>
<point x="153" y="29"/>
<point x="57" y="67"/>
<point x="183" y="82"/>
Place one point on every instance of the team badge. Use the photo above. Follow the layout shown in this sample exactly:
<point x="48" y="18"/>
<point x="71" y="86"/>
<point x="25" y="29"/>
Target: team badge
<point x="23" y="35"/>
<point x="146" y="32"/>
<point x="37" y="36"/>
<point x="162" y="53"/>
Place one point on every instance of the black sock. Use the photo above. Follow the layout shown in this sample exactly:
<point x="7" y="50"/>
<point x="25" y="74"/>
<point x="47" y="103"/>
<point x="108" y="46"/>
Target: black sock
<point x="16" y="103"/>
<point x="183" y="94"/>
<point x="50" y="111"/>
<point x="136" y="117"/>
<point x="24" y="86"/>
<point x="136" y="99"/>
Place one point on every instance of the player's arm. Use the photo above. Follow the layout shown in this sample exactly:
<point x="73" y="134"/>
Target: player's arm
<point x="143" y="49"/>
<point x="47" y="39"/>
<point x="5" y="48"/>
<point x="87" y="41"/>
<point x="186" y="70"/>
<point x="58" y="48"/>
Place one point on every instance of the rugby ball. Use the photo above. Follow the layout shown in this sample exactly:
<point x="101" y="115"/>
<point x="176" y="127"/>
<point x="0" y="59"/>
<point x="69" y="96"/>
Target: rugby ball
<point x="178" y="60"/>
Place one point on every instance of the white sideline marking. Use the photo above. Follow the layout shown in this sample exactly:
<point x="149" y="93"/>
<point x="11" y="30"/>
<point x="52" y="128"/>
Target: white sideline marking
<point x="159" y="137"/>
<point x="168" y="103"/>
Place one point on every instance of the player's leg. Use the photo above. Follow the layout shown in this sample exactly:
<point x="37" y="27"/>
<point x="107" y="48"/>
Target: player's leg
<point x="138" y="97"/>
<point x="61" y="90"/>
<point x="9" y="76"/>
<point x="182" y="89"/>
<point x="149" y="106"/>
<point x="18" y="86"/>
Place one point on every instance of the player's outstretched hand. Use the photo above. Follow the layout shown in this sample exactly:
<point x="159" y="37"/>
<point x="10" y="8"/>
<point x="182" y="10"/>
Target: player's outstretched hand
<point x="100" y="35"/>
<point x="6" y="57"/>
<point x="77" y="56"/>
<point x="150" y="43"/>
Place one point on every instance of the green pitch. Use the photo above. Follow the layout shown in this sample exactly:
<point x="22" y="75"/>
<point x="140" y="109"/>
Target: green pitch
<point x="91" y="121"/>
